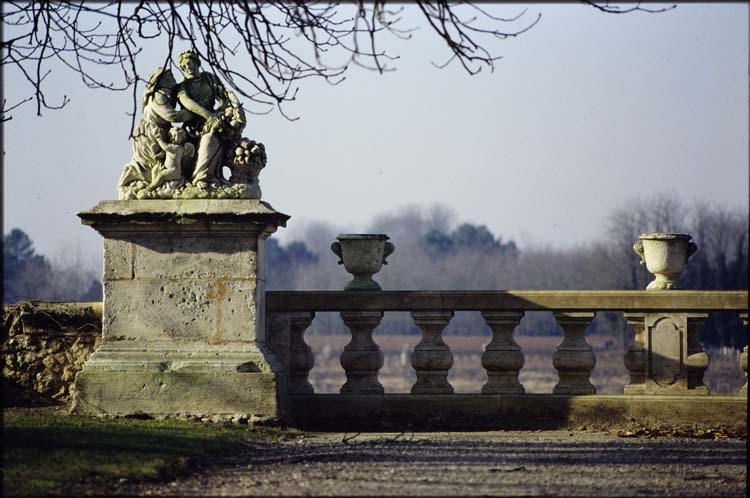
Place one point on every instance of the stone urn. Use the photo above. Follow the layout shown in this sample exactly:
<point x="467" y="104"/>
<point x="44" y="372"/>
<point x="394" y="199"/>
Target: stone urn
<point x="665" y="255"/>
<point x="362" y="255"/>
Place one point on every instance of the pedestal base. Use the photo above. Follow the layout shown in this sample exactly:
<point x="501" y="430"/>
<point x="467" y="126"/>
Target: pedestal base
<point x="162" y="379"/>
<point x="205" y="393"/>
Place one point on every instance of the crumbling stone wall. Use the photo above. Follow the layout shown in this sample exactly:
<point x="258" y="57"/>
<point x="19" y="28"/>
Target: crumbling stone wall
<point x="45" y="345"/>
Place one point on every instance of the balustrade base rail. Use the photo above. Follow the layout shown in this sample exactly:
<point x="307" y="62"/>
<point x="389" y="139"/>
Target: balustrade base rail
<point x="457" y="412"/>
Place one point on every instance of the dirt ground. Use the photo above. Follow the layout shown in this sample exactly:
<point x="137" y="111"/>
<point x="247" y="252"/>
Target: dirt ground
<point x="503" y="463"/>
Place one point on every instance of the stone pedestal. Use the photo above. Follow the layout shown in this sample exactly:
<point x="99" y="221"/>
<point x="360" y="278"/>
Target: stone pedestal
<point x="183" y="317"/>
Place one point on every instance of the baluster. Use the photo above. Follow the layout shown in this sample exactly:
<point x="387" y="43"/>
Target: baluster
<point x="432" y="357"/>
<point x="362" y="358"/>
<point x="502" y="357"/>
<point x="697" y="359"/>
<point x="301" y="357"/>
<point x="574" y="358"/>
<point x="635" y="357"/>
<point x="743" y="356"/>
<point x="277" y="337"/>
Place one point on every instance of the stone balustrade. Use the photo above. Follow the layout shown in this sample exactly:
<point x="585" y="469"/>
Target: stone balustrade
<point x="666" y="356"/>
<point x="666" y="360"/>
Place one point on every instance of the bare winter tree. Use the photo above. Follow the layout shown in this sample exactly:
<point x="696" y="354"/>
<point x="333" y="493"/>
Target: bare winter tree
<point x="262" y="49"/>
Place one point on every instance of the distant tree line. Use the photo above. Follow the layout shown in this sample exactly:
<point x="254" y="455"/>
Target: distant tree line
<point x="30" y="276"/>
<point x="432" y="253"/>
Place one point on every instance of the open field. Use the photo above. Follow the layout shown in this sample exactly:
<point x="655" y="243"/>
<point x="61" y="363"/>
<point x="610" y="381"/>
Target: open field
<point x="723" y="376"/>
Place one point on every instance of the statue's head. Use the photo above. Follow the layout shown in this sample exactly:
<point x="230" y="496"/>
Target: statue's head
<point x="190" y="63"/>
<point x="177" y="135"/>
<point x="160" y="79"/>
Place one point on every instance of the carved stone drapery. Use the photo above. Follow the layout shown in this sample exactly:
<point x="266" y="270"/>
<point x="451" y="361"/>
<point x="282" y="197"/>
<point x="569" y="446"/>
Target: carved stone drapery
<point x="635" y="357"/>
<point x="502" y="357"/>
<point x="301" y="357"/>
<point x="432" y="357"/>
<point x="362" y="358"/>
<point x="574" y="358"/>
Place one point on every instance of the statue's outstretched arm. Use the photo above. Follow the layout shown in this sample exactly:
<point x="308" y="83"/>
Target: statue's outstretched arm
<point x="166" y="111"/>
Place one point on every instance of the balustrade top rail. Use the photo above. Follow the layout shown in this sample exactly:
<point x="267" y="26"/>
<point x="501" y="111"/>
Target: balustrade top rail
<point x="510" y="300"/>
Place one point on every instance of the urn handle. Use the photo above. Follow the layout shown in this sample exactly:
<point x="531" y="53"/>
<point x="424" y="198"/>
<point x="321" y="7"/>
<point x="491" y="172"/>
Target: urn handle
<point x="690" y="250"/>
<point x="638" y="248"/>
<point x="387" y="251"/>
<point x="336" y="248"/>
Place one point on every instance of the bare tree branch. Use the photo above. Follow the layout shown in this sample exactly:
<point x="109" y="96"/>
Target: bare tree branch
<point x="617" y="9"/>
<point x="262" y="49"/>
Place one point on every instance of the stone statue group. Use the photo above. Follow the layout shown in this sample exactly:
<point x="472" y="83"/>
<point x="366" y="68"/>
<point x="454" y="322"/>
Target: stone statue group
<point x="171" y="162"/>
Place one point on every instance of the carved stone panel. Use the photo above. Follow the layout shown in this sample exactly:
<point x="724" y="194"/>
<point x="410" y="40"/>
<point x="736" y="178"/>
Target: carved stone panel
<point x="675" y="360"/>
<point x="667" y="353"/>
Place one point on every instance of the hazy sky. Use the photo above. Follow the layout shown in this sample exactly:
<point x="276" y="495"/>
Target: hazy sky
<point x="585" y="111"/>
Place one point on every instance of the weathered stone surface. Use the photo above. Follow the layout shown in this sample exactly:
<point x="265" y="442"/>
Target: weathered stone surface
<point x="215" y="311"/>
<point x="502" y="357"/>
<point x="362" y="255"/>
<point x="213" y="392"/>
<point x="120" y="257"/>
<point x="183" y="356"/>
<point x="301" y="357"/>
<point x="743" y="357"/>
<point x="183" y="293"/>
<point x="193" y="257"/>
<point x="664" y="254"/>
<point x="45" y="345"/>
<point x="574" y="358"/>
<point x="278" y="337"/>
<point x="675" y="360"/>
<point x="185" y="212"/>
<point x="635" y="357"/>
<point x="362" y="357"/>
<point x="432" y="358"/>
<point x="550" y="300"/>
<point x="188" y="161"/>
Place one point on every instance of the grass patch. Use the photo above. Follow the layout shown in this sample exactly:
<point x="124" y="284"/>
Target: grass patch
<point x="48" y="452"/>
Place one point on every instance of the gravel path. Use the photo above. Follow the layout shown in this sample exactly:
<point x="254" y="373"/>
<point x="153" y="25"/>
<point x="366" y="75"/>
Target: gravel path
<point x="550" y="463"/>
